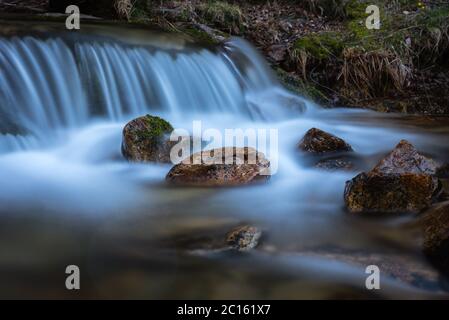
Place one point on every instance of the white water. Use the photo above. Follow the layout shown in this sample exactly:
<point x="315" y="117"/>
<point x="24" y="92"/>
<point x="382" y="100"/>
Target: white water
<point x="71" y="100"/>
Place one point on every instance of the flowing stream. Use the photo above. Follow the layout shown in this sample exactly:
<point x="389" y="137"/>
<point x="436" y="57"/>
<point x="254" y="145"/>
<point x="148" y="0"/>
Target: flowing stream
<point x="67" y="196"/>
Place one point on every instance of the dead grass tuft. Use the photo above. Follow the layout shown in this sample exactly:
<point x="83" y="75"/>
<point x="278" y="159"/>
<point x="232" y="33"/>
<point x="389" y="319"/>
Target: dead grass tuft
<point x="124" y="8"/>
<point x="373" y="74"/>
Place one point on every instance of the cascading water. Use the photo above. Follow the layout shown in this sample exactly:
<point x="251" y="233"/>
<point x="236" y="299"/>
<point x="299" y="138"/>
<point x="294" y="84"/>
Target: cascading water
<point x="64" y="100"/>
<point x="51" y="84"/>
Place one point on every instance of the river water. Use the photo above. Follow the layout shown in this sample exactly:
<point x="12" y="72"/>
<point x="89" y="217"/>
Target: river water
<point x="67" y="196"/>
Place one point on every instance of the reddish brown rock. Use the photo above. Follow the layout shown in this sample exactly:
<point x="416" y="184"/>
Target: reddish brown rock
<point x="391" y="193"/>
<point x="406" y="159"/>
<point x="435" y="227"/>
<point x="209" y="168"/>
<point x="317" y="141"/>
<point x="403" y="181"/>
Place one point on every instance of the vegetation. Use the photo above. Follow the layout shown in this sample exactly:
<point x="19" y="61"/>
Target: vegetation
<point x="155" y="129"/>
<point x="325" y="48"/>
<point x="221" y="14"/>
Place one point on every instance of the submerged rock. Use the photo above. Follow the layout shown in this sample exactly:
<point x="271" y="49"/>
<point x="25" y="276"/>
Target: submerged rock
<point x="221" y="167"/>
<point x="403" y="181"/>
<point x="435" y="226"/>
<point x="335" y="164"/>
<point x="244" y="238"/>
<point x="317" y="141"/>
<point x="146" y="139"/>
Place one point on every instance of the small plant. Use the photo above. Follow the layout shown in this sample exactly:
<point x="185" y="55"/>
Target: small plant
<point x="373" y="73"/>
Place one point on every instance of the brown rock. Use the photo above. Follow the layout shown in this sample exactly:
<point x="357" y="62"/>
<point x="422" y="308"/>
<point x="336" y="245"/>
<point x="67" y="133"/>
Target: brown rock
<point x="244" y="238"/>
<point x="435" y="226"/>
<point x="277" y="52"/>
<point x="317" y="141"/>
<point x="401" y="182"/>
<point x="146" y="139"/>
<point x="406" y="159"/>
<point x="391" y="193"/>
<point x="209" y="168"/>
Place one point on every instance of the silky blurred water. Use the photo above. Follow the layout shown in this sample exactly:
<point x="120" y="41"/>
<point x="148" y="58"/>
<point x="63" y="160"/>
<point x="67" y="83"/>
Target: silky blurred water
<point x="67" y="196"/>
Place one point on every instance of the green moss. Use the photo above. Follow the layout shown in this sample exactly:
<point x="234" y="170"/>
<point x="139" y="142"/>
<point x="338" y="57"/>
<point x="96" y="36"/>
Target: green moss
<point x="139" y="15"/>
<point x="320" y="46"/>
<point x="356" y="9"/>
<point x="221" y="13"/>
<point x="301" y="87"/>
<point x="156" y="129"/>
<point x="200" y="36"/>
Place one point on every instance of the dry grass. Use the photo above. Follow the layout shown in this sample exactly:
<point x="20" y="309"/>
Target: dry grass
<point x="124" y="8"/>
<point x="221" y="13"/>
<point x="331" y="8"/>
<point x="373" y="74"/>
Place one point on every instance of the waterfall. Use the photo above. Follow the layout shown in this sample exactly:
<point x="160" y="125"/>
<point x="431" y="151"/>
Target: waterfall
<point x="50" y="84"/>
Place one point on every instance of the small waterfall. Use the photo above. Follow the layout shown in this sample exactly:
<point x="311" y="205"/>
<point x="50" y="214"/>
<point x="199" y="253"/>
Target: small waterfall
<point x="56" y="83"/>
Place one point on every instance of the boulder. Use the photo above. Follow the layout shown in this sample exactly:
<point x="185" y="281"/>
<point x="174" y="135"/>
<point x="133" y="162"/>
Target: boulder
<point x="221" y="167"/>
<point x="435" y="226"/>
<point x="406" y="159"/>
<point x="316" y="141"/>
<point x="402" y="182"/>
<point x="147" y="139"/>
<point x="244" y="238"/>
<point x="390" y="193"/>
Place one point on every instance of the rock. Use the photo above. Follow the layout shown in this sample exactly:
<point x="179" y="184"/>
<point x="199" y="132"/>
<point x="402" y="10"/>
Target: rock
<point x="147" y="139"/>
<point x="317" y="141"/>
<point x="435" y="226"/>
<point x="208" y="168"/>
<point x="390" y="193"/>
<point x="406" y="159"/>
<point x="402" y="182"/>
<point x="445" y="187"/>
<point x="277" y="52"/>
<point x="335" y="164"/>
<point x="443" y="170"/>
<point x="244" y="238"/>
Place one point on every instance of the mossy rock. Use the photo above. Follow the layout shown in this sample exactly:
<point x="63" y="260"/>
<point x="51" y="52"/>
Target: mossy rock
<point x="201" y="36"/>
<point x="301" y="87"/>
<point x="146" y="139"/>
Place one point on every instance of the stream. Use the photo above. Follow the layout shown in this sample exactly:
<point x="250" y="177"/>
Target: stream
<point x="68" y="197"/>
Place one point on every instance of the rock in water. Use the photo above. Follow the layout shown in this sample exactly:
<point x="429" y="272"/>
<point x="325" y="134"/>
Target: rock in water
<point x="390" y="193"/>
<point x="317" y="141"/>
<point x="335" y="164"/>
<point x="146" y="139"/>
<point x="244" y="238"/>
<point x="326" y="151"/>
<point x="401" y="182"/>
<point x="435" y="226"/>
<point x="406" y="159"/>
<point x="221" y="167"/>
